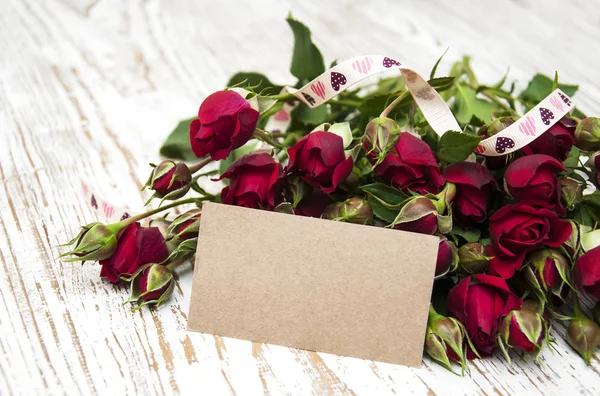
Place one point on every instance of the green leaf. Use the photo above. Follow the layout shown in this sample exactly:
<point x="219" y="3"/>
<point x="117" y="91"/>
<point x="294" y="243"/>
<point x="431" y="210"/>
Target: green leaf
<point x="441" y="83"/>
<point x="540" y="87"/>
<point x="308" y="116"/>
<point x="456" y="146"/>
<point x="572" y="160"/>
<point x="259" y="82"/>
<point x="307" y="61"/>
<point x="177" y="145"/>
<point x="385" y="193"/>
<point x="432" y="74"/>
<point x="468" y="234"/>
<point x="467" y="105"/>
<point x="385" y="214"/>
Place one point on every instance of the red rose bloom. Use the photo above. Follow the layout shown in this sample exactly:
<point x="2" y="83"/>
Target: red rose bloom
<point x="533" y="178"/>
<point x="587" y="272"/>
<point x="136" y="246"/>
<point x="225" y="122"/>
<point x="254" y="182"/>
<point x="320" y="160"/>
<point x="474" y="187"/>
<point x="411" y="166"/>
<point x="518" y="229"/>
<point x="480" y="306"/>
<point x="555" y="142"/>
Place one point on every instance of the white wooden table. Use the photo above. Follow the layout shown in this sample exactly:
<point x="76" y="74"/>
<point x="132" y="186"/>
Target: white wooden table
<point x="89" y="90"/>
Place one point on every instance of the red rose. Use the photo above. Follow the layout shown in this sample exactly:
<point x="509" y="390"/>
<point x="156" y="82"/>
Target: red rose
<point x="446" y="258"/>
<point x="225" y="122"/>
<point x="480" y="306"/>
<point x="587" y="272"/>
<point x="518" y="229"/>
<point x="474" y="187"/>
<point x="555" y="142"/>
<point x="254" y="182"/>
<point x="320" y="160"/>
<point x="314" y="205"/>
<point x="136" y="246"/>
<point x="411" y="166"/>
<point x="533" y="178"/>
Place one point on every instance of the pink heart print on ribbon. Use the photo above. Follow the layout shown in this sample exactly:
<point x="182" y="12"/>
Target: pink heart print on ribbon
<point x="105" y="211"/>
<point x="435" y="110"/>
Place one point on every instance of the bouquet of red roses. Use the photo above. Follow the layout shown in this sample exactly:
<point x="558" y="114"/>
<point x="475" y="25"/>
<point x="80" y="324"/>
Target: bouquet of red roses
<point x="505" y="180"/>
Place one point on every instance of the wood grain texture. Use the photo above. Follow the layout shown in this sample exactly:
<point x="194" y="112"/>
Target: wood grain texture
<point x="88" y="91"/>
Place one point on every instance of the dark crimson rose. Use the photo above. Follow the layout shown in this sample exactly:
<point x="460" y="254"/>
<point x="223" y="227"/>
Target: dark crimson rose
<point x="314" y="205"/>
<point x="587" y="272"/>
<point x="518" y="229"/>
<point x="255" y="181"/>
<point x="411" y="166"/>
<point x="474" y="187"/>
<point x="446" y="258"/>
<point x="480" y="302"/>
<point x="555" y="142"/>
<point x="320" y="160"/>
<point x="136" y="246"/>
<point x="533" y="178"/>
<point x="225" y="122"/>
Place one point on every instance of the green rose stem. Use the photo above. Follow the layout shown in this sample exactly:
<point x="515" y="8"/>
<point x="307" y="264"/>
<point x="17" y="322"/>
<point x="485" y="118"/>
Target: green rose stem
<point x="122" y="224"/>
<point x="195" y="168"/>
<point x="262" y="135"/>
<point x="395" y="103"/>
<point x="282" y="97"/>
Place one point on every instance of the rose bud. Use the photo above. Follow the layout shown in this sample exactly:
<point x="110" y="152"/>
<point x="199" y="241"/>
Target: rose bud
<point x="491" y="129"/>
<point x="185" y="226"/>
<point x="151" y="284"/>
<point x="587" y="134"/>
<point x="136" y="246"/>
<point x="418" y="215"/>
<point x="333" y="211"/>
<point x="255" y="181"/>
<point x="516" y="230"/>
<point x="356" y="210"/>
<point x="320" y="160"/>
<point x="381" y="136"/>
<point x="447" y="257"/>
<point x="547" y="272"/>
<point x="159" y="222"/>
<point x="95" y="241"/>
<point x="473" y="259"/>
<point x="587" y="272"/>
<point x="534" y="177"/>
<point x="181" y="250"/>
<point x="474" y="187"/>
<point x="480" y="302"/>
<point x="445" y="339"/>
<point x="584" y="336"/>
<point x="169" y="180"/>
<point x="411" y="166"/>
<point x="314" y="205"/>
<point x="555" y="142"/>
<point x="226" y="121"/>
<point x="571" y="192"/>
<point x="522" y="330"/>
<point x="594" y="165"/>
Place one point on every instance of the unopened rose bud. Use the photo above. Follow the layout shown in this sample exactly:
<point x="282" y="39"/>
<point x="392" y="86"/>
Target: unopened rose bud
<point x="473" y="259"/>
<point x="296" y="189"/>
<point x="447" y="257"/>
<point x="95" y="241"/>
<point x="522" y="330"/>
<point x="572" y="192"/>
<point x="497" y="125"/>
<point x="160" y="222"/>
<point x="181" y="250"/>
<point x="445" y="339"/>
<point x="356" y="210"/>
<point x="418" y="215"/>
<point x="587" y="134"/>
<point x="584" y="336"/>
<point x="381" y="136"/>
<point x="594" y="165"/>
<point x="169" y="180"/>
<point x="185" y="226"/>
<point x="332" y="211"/>
<point x="151" y="284"/>
<point x="547" y="273"/>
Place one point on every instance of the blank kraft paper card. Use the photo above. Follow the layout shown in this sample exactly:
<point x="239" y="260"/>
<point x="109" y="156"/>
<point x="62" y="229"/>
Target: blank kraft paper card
<point x="314" y="284"/>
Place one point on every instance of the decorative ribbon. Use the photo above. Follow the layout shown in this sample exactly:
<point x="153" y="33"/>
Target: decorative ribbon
<point x="103" y="209"/>
<point x="435" y="110"/>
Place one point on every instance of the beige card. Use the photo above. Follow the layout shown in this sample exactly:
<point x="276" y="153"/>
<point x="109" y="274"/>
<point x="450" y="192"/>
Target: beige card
<point x="314" y="284"/>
